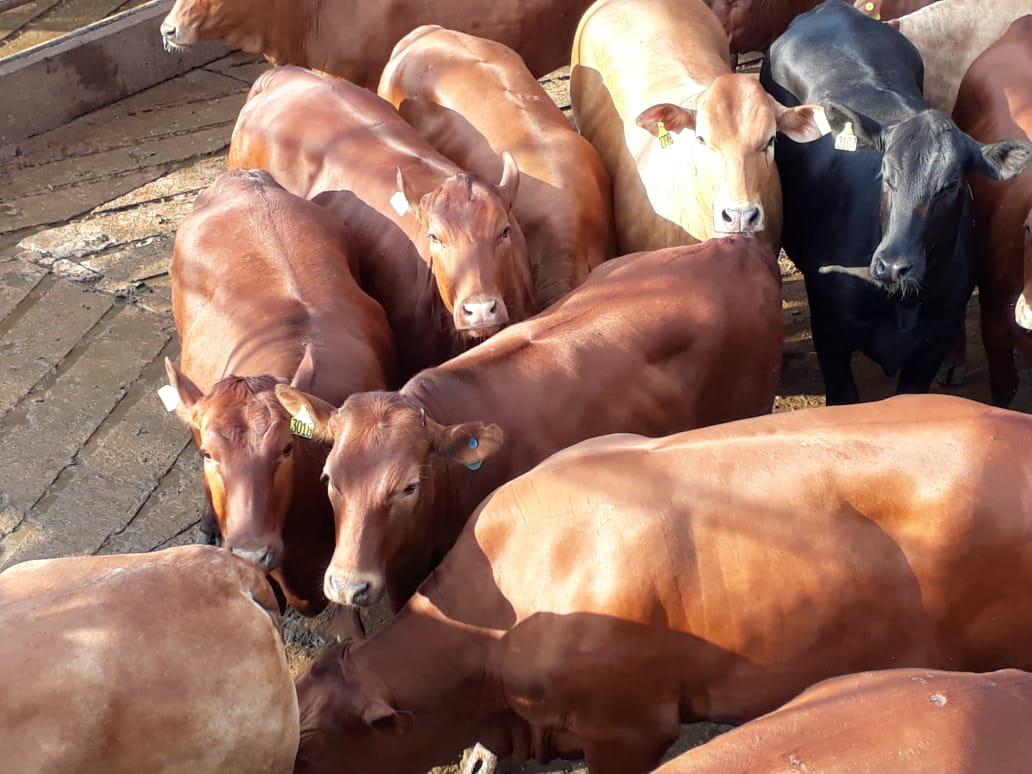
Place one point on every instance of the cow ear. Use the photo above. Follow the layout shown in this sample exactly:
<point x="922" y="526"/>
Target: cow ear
<point x="387" y="720"/>
<point x="1003" y="160"/>
<point x="510" y="183"/>
<point x="469" y="443"/>
<point x="844" y="120"/>
<point x="673" y="117"/>
<point x="304" y="376"/>
<point x="407" y="199"/>
<point x="804" y="123"/>
<point x="311" y="412"/>
<point x="184" y="394"/>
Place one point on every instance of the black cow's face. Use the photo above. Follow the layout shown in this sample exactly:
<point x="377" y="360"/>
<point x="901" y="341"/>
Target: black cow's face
<point x="924" y="160"/>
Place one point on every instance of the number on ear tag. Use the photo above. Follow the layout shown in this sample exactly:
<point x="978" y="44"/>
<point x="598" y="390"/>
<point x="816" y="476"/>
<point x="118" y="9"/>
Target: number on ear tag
<point x="302" y="424"/>
<point x="846" y="140"/>
<point x="665" y="138"/>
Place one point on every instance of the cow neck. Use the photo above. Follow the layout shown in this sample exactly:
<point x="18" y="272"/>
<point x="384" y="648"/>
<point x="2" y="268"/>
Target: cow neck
<point x="285" y="42"/>
<point x="440" y="669"/>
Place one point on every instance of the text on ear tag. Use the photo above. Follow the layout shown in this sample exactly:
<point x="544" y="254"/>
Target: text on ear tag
<point x="169" y="397"/>
<point x="302" y="424"/>
<point x="665" y="138"/>
<point x="399" y="203"/>
<point x="846" y="140"/>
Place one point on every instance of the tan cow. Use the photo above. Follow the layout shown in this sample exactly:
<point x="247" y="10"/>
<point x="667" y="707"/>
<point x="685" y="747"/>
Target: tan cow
<point x="949" y="35"/>
<point x="471" y="98"/>
<point x="437" y="247"/>
<point x="627" y="585"/>
<point x="353" y="38"/>
<point x="170" y="661"/>
<point x="917" y="721"/>
<point x="688" y="143"/>
<point x="651" y="343"/>
<point x="263" y="294"/>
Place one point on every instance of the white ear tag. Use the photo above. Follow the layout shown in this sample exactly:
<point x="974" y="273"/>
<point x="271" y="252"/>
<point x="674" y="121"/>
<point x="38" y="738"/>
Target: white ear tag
<point x="169" y="397"/>
<point x="302" y="424"/>
<point x="399" y="203"/>
<point x="846" y="140"/>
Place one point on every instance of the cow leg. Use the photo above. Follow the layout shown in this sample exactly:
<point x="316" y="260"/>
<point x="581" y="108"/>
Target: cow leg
<point x="917" y="375"/>
<point x="837" y="368"/>
<point x="999" y="349"/>
<point x="954" y="369"/>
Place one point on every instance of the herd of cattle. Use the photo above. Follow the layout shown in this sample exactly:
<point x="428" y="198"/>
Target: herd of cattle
<point x="441" y="349"/>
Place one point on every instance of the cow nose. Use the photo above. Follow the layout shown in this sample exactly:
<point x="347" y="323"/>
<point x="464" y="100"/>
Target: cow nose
<point x="479" y="313"/>
<point x="893" y="270"/>
<point x="167" y="30"/>
<point x="346" y="589"/>
<point x="739" y="218"/>
<point x="264" y="557"/>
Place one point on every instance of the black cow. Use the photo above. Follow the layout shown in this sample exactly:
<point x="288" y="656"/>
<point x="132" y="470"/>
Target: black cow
<point x="877" y="215"/>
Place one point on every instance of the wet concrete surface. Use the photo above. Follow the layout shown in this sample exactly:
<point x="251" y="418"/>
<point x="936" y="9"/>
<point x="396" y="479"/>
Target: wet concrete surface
<point x="89" y="461"/>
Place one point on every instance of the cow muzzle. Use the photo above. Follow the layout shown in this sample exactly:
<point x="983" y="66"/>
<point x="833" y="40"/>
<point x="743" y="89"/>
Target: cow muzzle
<point x="480" y="316"/>
<point x="347" y="588"/>
<point x="738" y="218"/>
<point x="1023" y="313"/>
<point x="896" y="271"/>
<point x="174" y="36"/>
<point x="267" y="557"/>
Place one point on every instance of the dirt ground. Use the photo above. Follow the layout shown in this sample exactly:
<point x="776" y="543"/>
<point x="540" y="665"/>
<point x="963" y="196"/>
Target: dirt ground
<point x="89" y="461"/>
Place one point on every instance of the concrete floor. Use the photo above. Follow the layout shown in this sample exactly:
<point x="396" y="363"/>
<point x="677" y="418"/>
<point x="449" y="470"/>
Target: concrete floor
<point x="89" y="461"/>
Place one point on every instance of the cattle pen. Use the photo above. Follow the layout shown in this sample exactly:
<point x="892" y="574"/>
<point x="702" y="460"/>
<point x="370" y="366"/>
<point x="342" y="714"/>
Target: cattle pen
<point x="100" y="161"/>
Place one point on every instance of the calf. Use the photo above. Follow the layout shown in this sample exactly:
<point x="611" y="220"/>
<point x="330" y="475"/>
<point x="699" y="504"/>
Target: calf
<point x="170" y="661"/>
<point x="627" y="585"/>
<point x="689" y="144"/>
<point x="263" y="294"/>
<point x="468" y="96"/>
<point x="751" y="25"/>
<point x="438" y="248"/>
<point x="353" y="39"/>
<point x="950" y="34"/>
<point x="995" y="103"/>
<point x="884" y="10"/>
<point x="862" y="724"/>
<point x="651" y="343"/>
<point x="893" y="286"/>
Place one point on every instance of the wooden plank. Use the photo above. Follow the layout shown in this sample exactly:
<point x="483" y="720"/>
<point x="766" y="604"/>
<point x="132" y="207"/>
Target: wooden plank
<point x="43" y="335"/>
<point x="44" y="434"/>
<point x="90" y="68"/>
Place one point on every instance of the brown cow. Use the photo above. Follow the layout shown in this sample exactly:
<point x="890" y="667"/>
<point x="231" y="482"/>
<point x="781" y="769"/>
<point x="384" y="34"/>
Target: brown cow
<point x="890" y="9"/>
<point x="752" y="25"/>
<point x="170" y="661"/>
<point x="353" y="39"/>
<point x="651" y="343"/>
<point x="917" y="721"/>
<point x="949" y="35"/>
<point x="438" y="248"/>
<point x="468" y="97"/>
<point x="689" y="144"/>
<point x="995" y="103"/>
<point x="260" y="278"/>
<point x="627" y="585"/>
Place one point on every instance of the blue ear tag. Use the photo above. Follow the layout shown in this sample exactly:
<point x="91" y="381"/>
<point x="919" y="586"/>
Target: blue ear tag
<point x="474" y="443"/>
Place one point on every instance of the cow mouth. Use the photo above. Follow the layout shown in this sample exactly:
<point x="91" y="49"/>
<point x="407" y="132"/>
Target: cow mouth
<point x="482" y="331"/>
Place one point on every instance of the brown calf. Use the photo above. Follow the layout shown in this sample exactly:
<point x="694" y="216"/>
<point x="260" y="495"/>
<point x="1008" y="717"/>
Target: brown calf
<point x="261" y="278"/>
<point x="469" y="97"/>
<point x="438" y="248"/>
<point x="353" y="39"/>
<point x="169" y="661"/>
<point x="627" y="585"/>
<point x="689" y="144"/>
<point x="651" y="343"/>
<point x="995" y="103"/>
<point x="918" y="721"/>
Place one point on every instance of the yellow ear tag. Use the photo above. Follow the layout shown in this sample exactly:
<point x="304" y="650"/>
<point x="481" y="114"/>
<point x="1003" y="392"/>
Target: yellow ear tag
<point x="846" y="140"/>
<point x="665" y="138"/>
<point x="302" y="424"/>
<point x="869" y="7"/>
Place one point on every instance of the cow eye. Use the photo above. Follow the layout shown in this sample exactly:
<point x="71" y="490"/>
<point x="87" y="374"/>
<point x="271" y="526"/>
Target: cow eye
<point x="770" y="142"/>
<point x="700" y="139"/>
<point x="951" y="186"/>
<point x="505" y="233"/>
<point x="206" y="455"/>
<point x="435" y="239"/>
<point x="411" y="489"/>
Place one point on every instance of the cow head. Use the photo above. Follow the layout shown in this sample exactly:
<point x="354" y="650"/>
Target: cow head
<point x="924" y="197"/>
<point x="344" y="708"/>
<point x="728" y="134"/>
<point x="388" y="458"/>
<point x="475" y="249"/>
<point x="243" y="435"/>
<point x="238" y="23"/>
<point x="1022" y="311"/>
